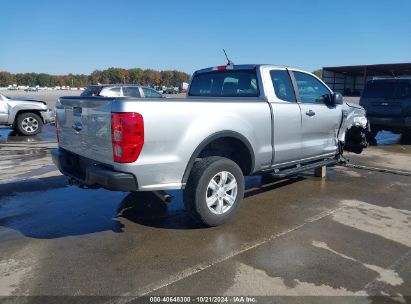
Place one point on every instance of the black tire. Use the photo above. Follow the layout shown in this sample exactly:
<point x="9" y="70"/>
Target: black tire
<point x="371" y="137"/>
<point x="372" y="134"/>
<point x="197" y="189"/>
<point x="24" y="120"/>
<point x="406" y="136"/>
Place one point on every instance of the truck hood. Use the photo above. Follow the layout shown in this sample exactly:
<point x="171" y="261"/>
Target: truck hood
<point x="24" y="99"/>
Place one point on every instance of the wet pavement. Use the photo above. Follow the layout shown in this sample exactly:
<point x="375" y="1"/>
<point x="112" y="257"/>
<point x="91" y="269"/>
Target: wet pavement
<point x="25" y="156"/>
<point x="347" y="234"/>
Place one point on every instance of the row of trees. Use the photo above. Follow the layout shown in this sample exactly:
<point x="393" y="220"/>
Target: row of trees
<point x="111" y="75"/>
<point x="139" y="76"/>
<point x="318" y="73"/>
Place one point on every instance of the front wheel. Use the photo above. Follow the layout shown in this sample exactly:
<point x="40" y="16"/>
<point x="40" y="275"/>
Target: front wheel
<point x="28" y="124"/>
<point x="214" y="191"/>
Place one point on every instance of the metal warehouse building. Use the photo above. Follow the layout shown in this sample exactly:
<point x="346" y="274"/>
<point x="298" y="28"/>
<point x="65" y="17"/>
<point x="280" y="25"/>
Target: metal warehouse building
<point x="350" y="80"/>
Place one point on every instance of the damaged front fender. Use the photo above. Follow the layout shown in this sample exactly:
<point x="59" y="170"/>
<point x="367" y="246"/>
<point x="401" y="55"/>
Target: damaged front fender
<point x="354" y="128"/>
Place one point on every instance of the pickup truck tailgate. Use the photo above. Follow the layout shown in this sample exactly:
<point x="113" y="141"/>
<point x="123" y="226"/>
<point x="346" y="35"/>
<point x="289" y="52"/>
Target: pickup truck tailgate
<point x="84" y="127"/>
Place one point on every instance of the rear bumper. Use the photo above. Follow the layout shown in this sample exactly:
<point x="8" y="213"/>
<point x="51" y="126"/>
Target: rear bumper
<point x="92" y="174"/>
<point x="390" y="122"/>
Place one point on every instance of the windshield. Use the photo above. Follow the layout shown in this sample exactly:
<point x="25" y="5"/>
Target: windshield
<point x="92" y="91"/>
<point x="388" y="89"/>
<point x="228" y="83"/>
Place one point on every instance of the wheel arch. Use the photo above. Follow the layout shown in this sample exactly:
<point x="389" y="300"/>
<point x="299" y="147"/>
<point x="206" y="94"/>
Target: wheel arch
<point x="13" y="119"/>
<point x="225" y="136"/>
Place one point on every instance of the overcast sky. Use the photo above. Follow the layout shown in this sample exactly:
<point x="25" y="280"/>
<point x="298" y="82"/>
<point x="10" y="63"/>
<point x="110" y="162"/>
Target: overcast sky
<point x="60" y="37"/>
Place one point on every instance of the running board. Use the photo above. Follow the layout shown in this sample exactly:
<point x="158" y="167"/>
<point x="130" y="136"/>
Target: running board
<point x="301" y="168"/>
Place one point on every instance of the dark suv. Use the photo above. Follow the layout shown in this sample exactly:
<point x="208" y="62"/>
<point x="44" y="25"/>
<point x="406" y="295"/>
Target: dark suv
<point x="388" y="105"/>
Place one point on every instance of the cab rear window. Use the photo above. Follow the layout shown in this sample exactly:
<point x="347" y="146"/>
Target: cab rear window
<point x="91" y="91"/>
<point x="395" y="89"/>
<point x="228" y="83"/>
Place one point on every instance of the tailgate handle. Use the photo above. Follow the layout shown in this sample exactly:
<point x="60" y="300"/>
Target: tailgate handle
<point x="310" y="113"/>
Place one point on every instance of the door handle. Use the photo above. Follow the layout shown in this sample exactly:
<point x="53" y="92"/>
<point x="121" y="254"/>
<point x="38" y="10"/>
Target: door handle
<point x="310" y="113"/>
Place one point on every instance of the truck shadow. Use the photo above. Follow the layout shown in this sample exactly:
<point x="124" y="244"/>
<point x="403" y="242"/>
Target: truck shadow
<point x="47" y="208"/>
<point x="145" y="208"/>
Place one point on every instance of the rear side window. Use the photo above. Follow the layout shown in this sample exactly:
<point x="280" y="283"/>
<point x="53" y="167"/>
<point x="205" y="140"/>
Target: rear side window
<point x="283" y="86"/>
<point x="149" y="93"/>
<point x="379" y="89"/>
<point x="228" y="83"/>
<point x="131" y="92"/>
<point x="112" y="92"/>
<point x="91" y="91"/>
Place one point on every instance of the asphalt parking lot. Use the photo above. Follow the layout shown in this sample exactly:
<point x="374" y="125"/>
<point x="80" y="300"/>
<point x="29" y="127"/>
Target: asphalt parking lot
<point x="348" y="234"/>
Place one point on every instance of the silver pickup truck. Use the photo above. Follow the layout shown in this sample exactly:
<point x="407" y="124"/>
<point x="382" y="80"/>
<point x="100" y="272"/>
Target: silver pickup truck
<point x="24" y="115"/>
<point x="237" y="120"/>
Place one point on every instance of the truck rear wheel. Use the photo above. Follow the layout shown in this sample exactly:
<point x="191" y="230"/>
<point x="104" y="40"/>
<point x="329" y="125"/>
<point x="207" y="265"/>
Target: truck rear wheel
<point x="28" y="124"/>
<point x="214" y="190"/>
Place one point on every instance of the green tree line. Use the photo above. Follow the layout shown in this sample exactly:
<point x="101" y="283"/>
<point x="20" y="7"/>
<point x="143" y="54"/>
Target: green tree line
<point x="111" y="75"/>
<point x="318" y="73"/>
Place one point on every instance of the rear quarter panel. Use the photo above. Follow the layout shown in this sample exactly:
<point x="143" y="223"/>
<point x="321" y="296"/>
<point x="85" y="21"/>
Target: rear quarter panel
<point x="174" y="129"/>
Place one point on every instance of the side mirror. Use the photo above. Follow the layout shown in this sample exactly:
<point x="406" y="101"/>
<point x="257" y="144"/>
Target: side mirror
<point x="337" y="98"/>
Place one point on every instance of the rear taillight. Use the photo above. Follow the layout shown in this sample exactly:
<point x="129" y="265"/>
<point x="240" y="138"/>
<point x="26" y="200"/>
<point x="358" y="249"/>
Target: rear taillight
<point x="57" y="127"/>
<point x="127" y="135"/>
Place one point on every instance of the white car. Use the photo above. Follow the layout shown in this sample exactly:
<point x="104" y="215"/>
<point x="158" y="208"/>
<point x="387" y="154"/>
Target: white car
<point x="121" y="90"/>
